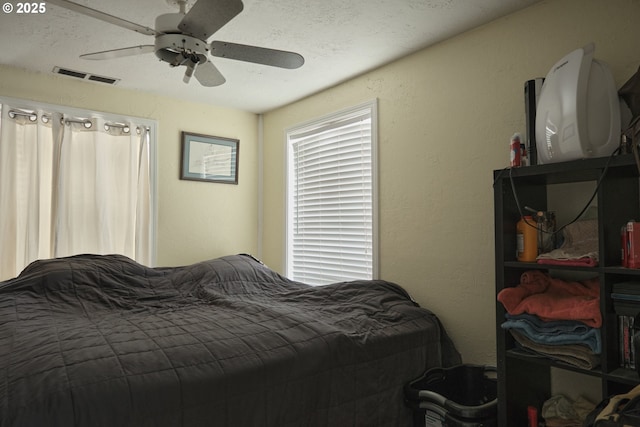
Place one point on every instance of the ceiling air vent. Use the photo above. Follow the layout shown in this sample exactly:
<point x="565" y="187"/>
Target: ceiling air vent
<point x="85" y="76"/>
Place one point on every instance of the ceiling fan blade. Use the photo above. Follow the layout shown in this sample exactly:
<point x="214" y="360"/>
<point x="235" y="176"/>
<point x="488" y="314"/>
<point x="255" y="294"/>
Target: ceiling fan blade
<point x="258" y="55"/>
<point x="104" y="17"/>
<point x="207" y="16"/>
<point x="119" y="53"/>
<point x="208" y="75"/>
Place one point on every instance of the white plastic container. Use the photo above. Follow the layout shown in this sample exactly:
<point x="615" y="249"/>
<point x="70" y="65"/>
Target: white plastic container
<point x="578" y="113"/>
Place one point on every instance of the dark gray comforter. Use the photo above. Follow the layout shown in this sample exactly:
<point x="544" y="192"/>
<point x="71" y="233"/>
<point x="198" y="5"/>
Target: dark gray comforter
<point x="103" y="341"/>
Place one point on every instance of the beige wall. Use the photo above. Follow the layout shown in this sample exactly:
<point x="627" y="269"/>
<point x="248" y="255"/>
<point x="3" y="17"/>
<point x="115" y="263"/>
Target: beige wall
<point x="445" y="118"/>
<point x="196" y="220"/>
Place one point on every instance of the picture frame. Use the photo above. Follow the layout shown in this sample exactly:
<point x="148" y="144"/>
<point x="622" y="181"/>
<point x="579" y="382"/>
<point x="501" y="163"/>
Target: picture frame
<point x="209" y="158"/>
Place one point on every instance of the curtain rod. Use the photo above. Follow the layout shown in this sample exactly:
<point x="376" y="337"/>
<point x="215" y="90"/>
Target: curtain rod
<point x="125" y="127"/>
<point x="116" y="125"/>
<point x="85" y="122"/>
<point x="33" y="116"/>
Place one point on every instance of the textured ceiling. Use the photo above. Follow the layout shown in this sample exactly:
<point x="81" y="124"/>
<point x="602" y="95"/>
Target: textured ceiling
<point x="338" y="39"/>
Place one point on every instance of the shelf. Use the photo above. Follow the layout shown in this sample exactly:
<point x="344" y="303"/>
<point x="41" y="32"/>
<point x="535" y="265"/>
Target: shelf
<point x="624" y="375"/>
<point x="542" y="360"/>
<point x="536" y="266"/>
<point x="574" y="171"/>
<point x="622" y="271"/>
<point x="628" y="376"/>
<point x="525" y="379"/>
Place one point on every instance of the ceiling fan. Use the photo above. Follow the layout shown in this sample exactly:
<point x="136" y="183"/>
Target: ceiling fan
<point x="180" y="39"/>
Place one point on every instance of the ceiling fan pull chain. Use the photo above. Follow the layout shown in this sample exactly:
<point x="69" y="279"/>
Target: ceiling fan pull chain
<point x="187" y="74"/>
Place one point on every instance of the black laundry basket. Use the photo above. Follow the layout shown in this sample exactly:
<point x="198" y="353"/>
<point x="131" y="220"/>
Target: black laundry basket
<point x="460" y="396"/>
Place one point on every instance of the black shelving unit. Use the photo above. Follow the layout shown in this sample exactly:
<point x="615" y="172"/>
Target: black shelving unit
<point x="524" y="380"/>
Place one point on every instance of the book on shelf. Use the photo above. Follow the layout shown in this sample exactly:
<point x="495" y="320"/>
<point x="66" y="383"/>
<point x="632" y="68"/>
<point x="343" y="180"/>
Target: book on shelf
<point x="626" y="303"/>
<point x="626" y="346"/>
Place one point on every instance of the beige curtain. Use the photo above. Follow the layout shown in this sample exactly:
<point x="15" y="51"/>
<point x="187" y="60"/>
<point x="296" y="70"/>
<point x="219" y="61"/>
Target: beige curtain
<point x="70" y="186"/>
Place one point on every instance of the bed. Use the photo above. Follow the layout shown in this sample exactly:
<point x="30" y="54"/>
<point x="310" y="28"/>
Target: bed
<point x="100" y="340"/>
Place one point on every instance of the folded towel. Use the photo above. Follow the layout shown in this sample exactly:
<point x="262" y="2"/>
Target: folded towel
<point x="574" y="355"/>
<point x="554" y="299"/>
<point x="557" y="332"/>
<point x="580" y="242"/>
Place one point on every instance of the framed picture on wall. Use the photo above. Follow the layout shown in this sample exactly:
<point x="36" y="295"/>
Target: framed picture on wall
<point x="209" y="158"/>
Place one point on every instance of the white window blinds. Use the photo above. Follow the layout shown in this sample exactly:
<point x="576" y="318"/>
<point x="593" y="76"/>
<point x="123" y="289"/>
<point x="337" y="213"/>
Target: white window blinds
<point x="331" y="198"/>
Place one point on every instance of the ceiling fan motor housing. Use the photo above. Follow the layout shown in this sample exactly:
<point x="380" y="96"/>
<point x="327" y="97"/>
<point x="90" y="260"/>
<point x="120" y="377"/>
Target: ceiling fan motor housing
<point x="172" y="42"/>
<point x="168" y="46"/>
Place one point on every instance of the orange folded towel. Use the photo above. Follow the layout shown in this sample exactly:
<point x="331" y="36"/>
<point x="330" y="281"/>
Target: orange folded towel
<point x="554" y="299"/>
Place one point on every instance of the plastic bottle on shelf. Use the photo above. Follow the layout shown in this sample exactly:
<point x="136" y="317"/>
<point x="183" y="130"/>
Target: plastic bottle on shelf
<point x="514" y="151"/>
<point x="526" y="239"/>
<point x="524" y="157"/>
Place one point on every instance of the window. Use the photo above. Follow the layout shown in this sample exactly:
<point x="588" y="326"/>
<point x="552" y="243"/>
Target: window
<point x="331" y="203"/>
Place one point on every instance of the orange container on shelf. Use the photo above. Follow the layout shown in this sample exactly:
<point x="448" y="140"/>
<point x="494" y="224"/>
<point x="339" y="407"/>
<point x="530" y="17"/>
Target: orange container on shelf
<point x="526" y="239"/>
